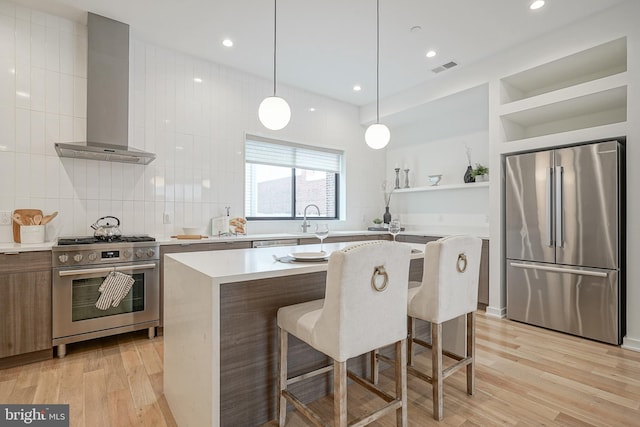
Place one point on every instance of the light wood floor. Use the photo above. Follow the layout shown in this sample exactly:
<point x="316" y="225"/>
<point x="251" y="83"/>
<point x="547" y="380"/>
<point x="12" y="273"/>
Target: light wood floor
<point x="526" y="376"/>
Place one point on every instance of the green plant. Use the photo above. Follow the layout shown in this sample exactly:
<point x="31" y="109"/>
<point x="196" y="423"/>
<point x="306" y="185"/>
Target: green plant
<point x="377" y="221"/>
<point x="479" y="170"/>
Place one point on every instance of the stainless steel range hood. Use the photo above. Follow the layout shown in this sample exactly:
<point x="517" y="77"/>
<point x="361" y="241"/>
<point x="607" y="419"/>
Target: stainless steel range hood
<point x="107" y="97"/>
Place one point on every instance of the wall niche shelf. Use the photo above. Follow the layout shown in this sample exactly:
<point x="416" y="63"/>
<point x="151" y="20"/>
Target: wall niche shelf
<point x="585" y="90"/>
<point x="473" y="185"/>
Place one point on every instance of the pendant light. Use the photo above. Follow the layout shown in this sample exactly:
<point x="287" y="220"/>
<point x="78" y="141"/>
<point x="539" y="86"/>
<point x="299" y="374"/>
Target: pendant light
<point x="274" y="112"/>
<point x="377" y="135"/>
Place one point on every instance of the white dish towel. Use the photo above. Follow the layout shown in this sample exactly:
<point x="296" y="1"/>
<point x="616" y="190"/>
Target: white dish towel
<point x="113" y="289"/>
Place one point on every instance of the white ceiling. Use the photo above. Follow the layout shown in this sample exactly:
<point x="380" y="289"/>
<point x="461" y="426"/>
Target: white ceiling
<point x="328" y="46"/>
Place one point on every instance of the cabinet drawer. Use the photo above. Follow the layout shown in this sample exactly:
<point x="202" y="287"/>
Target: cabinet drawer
<point x="25" y="261"/>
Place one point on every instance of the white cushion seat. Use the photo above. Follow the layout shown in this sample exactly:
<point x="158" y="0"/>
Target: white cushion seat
<point x="449" y="289"/>
<point x="361" y="312"/>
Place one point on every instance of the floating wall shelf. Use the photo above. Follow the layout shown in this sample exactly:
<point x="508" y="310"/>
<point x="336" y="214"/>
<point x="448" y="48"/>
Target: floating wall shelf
<point x="472" y="185"/>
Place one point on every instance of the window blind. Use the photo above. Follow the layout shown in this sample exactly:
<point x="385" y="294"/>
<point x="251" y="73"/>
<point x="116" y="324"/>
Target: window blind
<point x="267" y="152"/>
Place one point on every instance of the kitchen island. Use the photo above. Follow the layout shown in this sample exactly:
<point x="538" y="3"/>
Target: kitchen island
<point x="220" y="337"/>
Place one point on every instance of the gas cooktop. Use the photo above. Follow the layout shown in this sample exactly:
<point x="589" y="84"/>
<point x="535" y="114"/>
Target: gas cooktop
<point x="90" y="240"/>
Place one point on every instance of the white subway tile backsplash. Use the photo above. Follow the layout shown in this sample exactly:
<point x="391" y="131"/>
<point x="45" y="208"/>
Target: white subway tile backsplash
<point x="65" y="179"/>
<point x="7" y="174"/>
<point x="104" y="180"/>
<point x="37" y="181"/>
<point x="52" y="92"/>
<point x="23" y="13"/>
<point x="52" y="133"/>
<point x="51" y="177"/>
<point x="37" y="134"/>
<point x="52" y="40"/>
<point x="66" y="129"/>
<point x="38" y="91"/>
<point x="7" y="8"/>
<point x="67" y="49"/>
<point x="66" y="95"/>
<point x="23" y="163"/>
<point x="7" y="128"/>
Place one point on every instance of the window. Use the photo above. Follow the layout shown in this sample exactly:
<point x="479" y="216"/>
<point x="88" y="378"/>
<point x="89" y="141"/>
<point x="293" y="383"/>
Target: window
<point x="282" y="178"/>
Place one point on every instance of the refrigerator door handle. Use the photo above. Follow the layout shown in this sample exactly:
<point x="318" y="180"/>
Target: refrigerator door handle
<point x="549" y="207"/>
<point x="559" y="269"/>
<point x="559" y="206"/>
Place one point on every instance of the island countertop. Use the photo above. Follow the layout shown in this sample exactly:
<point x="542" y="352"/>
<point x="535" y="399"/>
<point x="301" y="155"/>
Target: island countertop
<point x="220" y="329"/>
<point x="236" y="265"/>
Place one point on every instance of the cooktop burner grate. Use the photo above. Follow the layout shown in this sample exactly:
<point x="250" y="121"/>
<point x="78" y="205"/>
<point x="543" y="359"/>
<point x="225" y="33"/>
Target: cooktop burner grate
<point x="89" y="240"/>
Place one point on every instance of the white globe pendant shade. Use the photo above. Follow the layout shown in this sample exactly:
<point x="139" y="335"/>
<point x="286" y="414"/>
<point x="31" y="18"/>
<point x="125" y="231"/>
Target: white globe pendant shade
<point x="377" y="136"/>
<point x="274" y="113"/>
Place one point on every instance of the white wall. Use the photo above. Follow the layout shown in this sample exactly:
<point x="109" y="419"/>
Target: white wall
<point x="619" y="21"/>
<point x="43" y="100"/>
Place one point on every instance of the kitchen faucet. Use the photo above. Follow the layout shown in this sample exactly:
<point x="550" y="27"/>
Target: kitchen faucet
<point x="305" y="224"/>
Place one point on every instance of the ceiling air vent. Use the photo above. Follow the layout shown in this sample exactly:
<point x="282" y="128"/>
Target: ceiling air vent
<point x="443" y="67"/>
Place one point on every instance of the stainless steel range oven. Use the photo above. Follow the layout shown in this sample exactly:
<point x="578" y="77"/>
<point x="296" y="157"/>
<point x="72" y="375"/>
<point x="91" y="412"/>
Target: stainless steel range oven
<point x="103" y="287"/>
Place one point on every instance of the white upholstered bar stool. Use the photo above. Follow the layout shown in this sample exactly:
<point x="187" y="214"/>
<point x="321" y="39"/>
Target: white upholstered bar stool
<point x="449" y="289"/>
<point x="365" y="308"/>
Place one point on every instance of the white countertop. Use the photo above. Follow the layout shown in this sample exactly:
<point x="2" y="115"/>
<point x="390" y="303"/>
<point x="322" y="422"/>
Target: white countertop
<point x="263" y="236"/>
<point x="250" y="264"/>
<point x="438" y="231"/>
<point x="25" y="247"/>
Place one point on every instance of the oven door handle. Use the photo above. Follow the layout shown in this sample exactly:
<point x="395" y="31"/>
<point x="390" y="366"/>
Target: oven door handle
<point x="105" y="270"/>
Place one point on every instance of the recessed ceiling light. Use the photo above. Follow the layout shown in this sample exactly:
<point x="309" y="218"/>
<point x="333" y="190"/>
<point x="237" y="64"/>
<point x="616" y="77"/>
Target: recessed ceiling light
<point x="227" y="43"/>
<point x="312" y="109"/>
<point x="197" y="79"/>
<point x="537" y="4"/>
<point x="357" y="88"/>
<point x="431" y="54"/>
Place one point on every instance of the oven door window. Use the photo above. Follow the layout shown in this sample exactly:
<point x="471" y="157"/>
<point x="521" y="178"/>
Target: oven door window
<point x="85" y="294"/>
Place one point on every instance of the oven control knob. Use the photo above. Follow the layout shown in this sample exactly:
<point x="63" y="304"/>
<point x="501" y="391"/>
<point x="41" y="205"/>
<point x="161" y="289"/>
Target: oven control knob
<point x="139" y="253"/>
<point x="151" y="253"/>
<point x="77" y="258"/>
<point x="63" y="258"/>
<point x="92" y="256"/>
<point x="127" y="254"/>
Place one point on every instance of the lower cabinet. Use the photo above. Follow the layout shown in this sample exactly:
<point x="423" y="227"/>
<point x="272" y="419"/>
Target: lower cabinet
<point x="25" y="308"/>
<point x="483" y="283"/>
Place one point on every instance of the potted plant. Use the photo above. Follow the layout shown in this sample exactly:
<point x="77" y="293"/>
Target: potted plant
<point x="480" y="172"/>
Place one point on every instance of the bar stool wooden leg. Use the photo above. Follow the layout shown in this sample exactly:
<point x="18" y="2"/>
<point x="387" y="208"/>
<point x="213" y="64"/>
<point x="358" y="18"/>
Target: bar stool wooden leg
<point x="401" y="382"/>
<point x="282" y="376"/>
<point x="471" y="352"/>
<point x="436" y="370"/>
<point x="340" y="394"/>
<point x="375" y="366"/>
<point x="411" y="323"/>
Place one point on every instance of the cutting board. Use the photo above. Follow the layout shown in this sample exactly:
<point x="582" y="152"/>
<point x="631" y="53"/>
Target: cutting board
<point x="24" y="213"/>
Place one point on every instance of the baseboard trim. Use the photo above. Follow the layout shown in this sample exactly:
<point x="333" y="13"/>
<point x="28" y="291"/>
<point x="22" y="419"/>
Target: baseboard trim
<point x="24" y="359"/>
<point x="631" y="344"/>
<point x="499" y="312"/>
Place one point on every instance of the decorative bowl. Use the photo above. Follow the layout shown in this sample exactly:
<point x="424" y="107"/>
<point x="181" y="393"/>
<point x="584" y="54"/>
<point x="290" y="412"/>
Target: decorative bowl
<point x="434" y="179"/>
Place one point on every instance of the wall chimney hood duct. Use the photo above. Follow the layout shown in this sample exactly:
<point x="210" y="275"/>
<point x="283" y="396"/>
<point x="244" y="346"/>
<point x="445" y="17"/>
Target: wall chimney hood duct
<point x="107" y="97"/>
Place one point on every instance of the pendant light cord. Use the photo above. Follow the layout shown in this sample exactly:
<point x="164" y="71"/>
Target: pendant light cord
<point x="377" y="61"/>
<point x="275" y="27"/>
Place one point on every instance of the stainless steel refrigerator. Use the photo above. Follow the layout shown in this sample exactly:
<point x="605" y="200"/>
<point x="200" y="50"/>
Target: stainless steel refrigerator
<point x="564" y="219"/>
